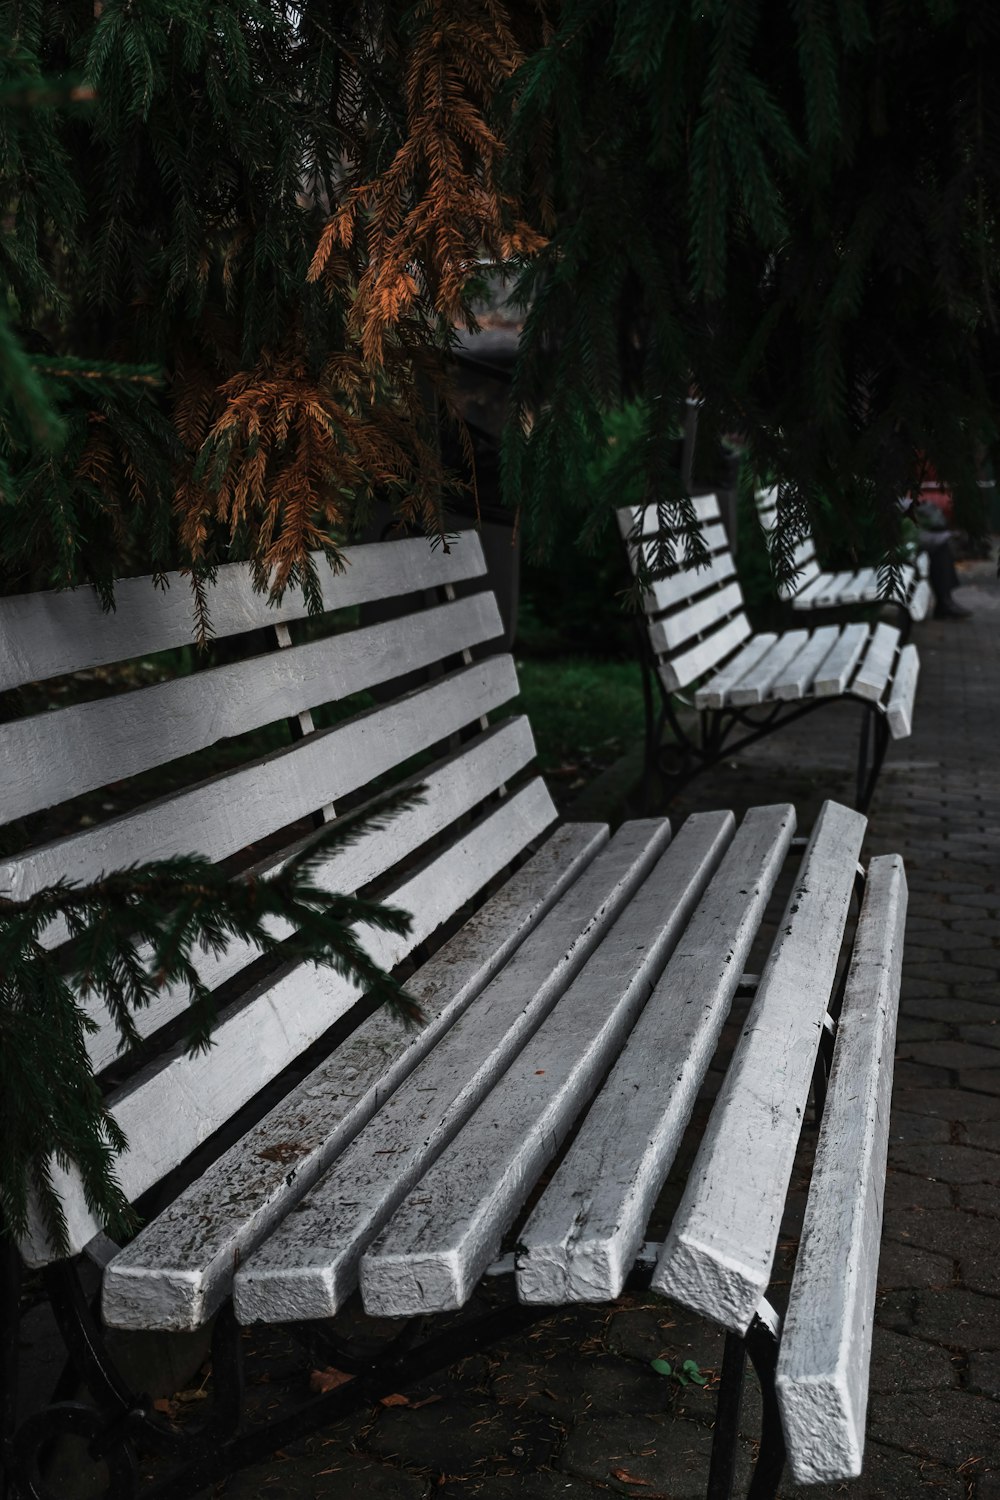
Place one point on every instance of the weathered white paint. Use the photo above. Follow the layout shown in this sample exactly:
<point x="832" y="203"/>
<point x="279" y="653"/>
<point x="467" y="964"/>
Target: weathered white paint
<point x="899" y="712"/>
<point x="717" y="1257"/>
<point x="444" y="1235"/>
<point x="755" y="685"/>
<point x="813" y="594"/>
<point x="795" y="680"/>
<point x="309" y="1265"/>
<point x="834" y="673"/>
<point x="688" y="665"/>
<point x="178" y="1270"/>
<point x="583" y="1237"/>
<point x="452" y="788"/>
<point x="873" y="674"/>
<point x="822" y="1374"/>
<point x="714" y="692"/>
<point x="667" y="593"/>
<point x="229" y="811"/>
<point x="53" y="756"/>
<point x="47" y="634"/>
<point x="673" y="631"/>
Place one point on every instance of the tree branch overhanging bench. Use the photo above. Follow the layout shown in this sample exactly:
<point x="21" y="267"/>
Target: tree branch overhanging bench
<point x="745" y="685"/>
<point x="814" y="589"/>
<point x="578" y="1000"/>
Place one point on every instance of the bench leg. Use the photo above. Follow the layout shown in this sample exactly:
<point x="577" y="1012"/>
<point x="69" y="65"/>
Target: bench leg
<point x="871" y="753"/>
<point x="10" y="1288"/>
<point x="761" y="1343"/>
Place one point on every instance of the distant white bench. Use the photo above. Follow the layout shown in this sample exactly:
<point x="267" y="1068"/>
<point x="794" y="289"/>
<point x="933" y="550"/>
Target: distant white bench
<point x="745" y="684"/>
<point x="813" y="588"/>
<point x="581" y="1001"/>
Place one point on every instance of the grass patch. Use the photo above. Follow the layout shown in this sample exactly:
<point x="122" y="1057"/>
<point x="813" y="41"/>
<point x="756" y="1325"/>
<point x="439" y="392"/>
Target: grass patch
<point x="586" y="712"/>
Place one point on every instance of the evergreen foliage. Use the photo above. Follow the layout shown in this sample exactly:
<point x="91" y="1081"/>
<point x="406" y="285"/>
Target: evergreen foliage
<point x="276" y="205"/>
<point x="131" y="934"/>
<point x="790" y="209"/>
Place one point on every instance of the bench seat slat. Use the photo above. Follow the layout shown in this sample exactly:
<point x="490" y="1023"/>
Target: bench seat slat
<point x="814" y="593"/>
<point x="920" y="600"/>
<point x="177" y="1270"/>
<point x="822" y="1374"/>
<point x="48" y="634"/>
<point x="795" y="680"/>
<point x="582" y="1239"/>
<point x="755" y="685"/>
<point x="718" y="1254"/>
<point x="713" y="694"/>
<point x="453" y="787"/>
<point x="835" y="671"/>
<point x="442" y="1237"/>
<point x="224" y="814"/>
<point x="54" y="756"/>
<point x="170" y="1108"/>
<point x="872" y="677"/>
<point x="899" y="712"/>
<point x="309" y="1265"/>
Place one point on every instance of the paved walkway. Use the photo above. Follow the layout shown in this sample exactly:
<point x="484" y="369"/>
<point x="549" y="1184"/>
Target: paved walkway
<point x="574" y="1409"/>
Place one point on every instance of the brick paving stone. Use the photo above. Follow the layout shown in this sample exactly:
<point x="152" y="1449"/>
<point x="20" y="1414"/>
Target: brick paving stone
<point x="984" y="1375"/>
<point x="980" y="1198"/>
<point x="981" y="1080"/>
<point x="667" y="1456"/>
<point x="953" y="1317"/>
<point x="904" y="1265"/>
<point x="969" y="1240"/>
<point x="545" y="1484"/>
<point x="910" y="1029"/>
<point x="947" y="1054"/>
<point x="984" y="1133"/>
<point x="950" y="1427"/>
<point x="458" y="1436"/>
<point x="906" y="1128"/>
<point x="947" y="1104"/>
<point x="949" y="1010"/>
<point x="904" y="1191"/>
<point x="907" y="1364"/>
<point x="947" y="1163"/>
<point x="985" y="1034"/>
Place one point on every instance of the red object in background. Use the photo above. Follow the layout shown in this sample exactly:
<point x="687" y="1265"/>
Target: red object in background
<point x="933" y="492"/>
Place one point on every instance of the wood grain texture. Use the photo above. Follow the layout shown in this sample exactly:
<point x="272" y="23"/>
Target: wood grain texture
<point x="309" y="1265"/>
<point x="47" y="634"/>
<point x="227" y="812"/>
<point x="178" y="1270"/>
<point x="582" y="1239"/>
<point x="445" y="1234"/>
<point x="53" y="756"/>
<point x="718" y="1254"/>
<point x="452" y="787"/>
<point x="822" y="1374"/>
<point x="899" y="711"/>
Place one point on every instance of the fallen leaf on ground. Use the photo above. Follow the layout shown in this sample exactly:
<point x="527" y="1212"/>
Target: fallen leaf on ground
<point x="326" y="1380"/>
<point x="394" y="1400"/>
<point x="627" y="1478"/>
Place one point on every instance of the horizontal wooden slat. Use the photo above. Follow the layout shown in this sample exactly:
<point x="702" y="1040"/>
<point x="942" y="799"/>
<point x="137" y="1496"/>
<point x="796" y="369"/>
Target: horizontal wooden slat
<point x="718" y="1254"/>
<point x="309" y="1266"/>
<point x="813" y="594"/>
<point x="178" y="1270"/>
<point x="442" y="1237"/>
<point x="53" y="756"/>
<point x="673" y="631"/>
<point x="899" y="711"/>
<point x="822" y="1374"/>
<point x="713" y="693"/>
<point x="666" y="593"/>
<point x="705" y="507"/>
<point x="836" y="669"/>
<point x="453" y="787"/>
<point x="172" y="1106"/>
<point x="582" y="1239"/>
<point x="681" y="668"/>
<point x="872" y="677"/>
<point x="48" y="634"/>
<point x="794" y="681"/>
<point x="226" y="813"/>
<point x="755" y="685"/>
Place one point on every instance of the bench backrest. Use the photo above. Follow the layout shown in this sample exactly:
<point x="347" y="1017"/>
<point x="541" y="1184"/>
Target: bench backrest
<point x="803" y="554"/>
<point x="695" y="616"/>
<point x="303" y="742"/>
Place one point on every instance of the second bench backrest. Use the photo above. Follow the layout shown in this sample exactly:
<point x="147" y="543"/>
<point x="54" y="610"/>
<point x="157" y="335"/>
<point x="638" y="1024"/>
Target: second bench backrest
<point x="803" y="553"/>
<point x="306" y="686"/>
<point x="694" y="615"/>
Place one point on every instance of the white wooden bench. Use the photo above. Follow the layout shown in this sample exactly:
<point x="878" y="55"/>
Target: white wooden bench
<point x="578" y="1000"/>
<point x="745" y="684"/>
<point x="813" y="588"/>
